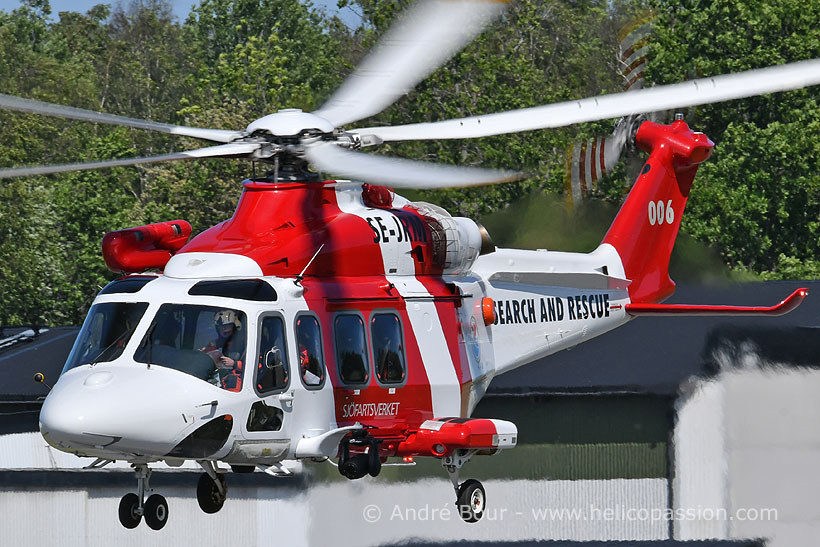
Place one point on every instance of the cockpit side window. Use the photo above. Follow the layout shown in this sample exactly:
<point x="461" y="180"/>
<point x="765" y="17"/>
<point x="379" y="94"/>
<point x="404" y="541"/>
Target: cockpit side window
<point x="204" y="341"/>
<point x="309" y="348"/>
<point x="351" y="349"/>
<point x="105" y="333"/>
<point x="272" y="371"/>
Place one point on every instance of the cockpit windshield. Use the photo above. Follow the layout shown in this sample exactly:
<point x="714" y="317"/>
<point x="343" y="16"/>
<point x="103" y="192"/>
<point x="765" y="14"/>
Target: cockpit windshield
<point x="204" y="341"/>
<point x="105" y="333"/>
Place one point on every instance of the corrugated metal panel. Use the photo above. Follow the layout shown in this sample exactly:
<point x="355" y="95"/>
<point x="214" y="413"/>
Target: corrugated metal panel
<point x="516" y="510"/>
<point x="335" y="514"/>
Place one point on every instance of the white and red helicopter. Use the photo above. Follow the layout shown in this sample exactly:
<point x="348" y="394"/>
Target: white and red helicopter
<point x="336" y="320"/>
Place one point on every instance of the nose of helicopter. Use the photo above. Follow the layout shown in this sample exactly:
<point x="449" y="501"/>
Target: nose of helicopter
<point x="121" y="410"/>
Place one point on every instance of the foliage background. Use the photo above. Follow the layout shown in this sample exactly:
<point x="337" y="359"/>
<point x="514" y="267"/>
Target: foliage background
<point x="755" y="206"/>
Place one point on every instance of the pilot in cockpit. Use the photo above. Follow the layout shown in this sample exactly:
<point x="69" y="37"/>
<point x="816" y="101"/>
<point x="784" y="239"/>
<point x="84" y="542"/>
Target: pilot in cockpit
<point x="227" y="350"/>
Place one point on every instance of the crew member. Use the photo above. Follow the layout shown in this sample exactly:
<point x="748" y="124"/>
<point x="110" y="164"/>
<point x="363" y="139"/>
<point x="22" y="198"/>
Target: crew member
<point x="226" y="350"/>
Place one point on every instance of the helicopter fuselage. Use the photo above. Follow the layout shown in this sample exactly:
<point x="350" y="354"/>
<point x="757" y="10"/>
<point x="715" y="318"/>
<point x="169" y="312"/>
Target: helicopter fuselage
<point x="408" y="325"/>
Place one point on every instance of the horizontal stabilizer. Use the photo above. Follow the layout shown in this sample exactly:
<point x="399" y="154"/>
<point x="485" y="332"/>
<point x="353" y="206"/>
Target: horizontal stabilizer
<point x="784" y="307"/>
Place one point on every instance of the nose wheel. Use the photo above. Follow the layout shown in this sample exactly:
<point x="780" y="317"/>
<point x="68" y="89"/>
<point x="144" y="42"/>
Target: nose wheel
<point x="133" y="507"/>
<point x="156" y="512"/>
<point x="130" y="511"/>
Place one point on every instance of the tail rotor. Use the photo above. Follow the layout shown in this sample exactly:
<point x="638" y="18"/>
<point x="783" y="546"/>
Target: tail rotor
<point x="590" y="160"/>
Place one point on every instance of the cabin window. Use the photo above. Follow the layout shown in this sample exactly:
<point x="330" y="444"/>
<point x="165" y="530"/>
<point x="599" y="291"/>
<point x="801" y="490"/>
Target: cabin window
<point x="309" y="347"/>
<point x="351" y="349"/>
<point x="264" y="418"/>
<point x="272" y="369"/>
<point x="388" y="350"/>
<point x="207" y="342"/>
<point x="105" y="333"/>
<point x="128" y="285"/>
<point x="243" y="289"/>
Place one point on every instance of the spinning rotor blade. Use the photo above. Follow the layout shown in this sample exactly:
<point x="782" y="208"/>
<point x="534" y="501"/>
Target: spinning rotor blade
<point x="10" y="102"/>
<point x="593" y="159"/>
<point x="425" y="37"/>
<point x="691" y="93"/>
<point x="210" y="152"/>
<point x="399" y="173"/>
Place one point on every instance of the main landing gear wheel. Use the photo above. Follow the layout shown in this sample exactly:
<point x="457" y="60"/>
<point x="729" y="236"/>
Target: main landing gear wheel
<point x="471" y="500"/>
<point x="210" y="496"/>
<point x="470" y="496"/>
<point x="130" y="514"/>
<point x="156" y="512"/>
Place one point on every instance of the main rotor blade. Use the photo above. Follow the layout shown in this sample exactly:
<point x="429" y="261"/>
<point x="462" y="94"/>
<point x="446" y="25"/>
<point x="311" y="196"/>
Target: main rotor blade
<point x="691" y="93"/>
<point x="19" y="104"/>
<point x="399" y="173"/>
<point x="425" y="37"/>
<point x="238" y="149"/>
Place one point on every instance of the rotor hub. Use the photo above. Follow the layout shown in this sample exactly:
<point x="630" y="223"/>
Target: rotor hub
<point x="290" y="122"/>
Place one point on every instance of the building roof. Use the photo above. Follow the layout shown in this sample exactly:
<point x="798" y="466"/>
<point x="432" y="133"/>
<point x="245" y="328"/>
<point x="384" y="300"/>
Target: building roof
<point x="23" y="352"/>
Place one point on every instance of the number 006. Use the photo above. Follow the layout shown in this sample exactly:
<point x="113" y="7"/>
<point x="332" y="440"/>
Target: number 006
<point x="658" y="212"/>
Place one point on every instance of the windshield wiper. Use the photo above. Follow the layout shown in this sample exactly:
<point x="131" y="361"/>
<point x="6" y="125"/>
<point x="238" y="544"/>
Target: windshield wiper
<point x="108" y="347"/>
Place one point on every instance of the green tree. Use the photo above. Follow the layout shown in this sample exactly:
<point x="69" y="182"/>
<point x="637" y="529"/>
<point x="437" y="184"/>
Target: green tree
<point x="538" y="53"/>
<point x="757" y="200"/>
<point x="269" y="53"/>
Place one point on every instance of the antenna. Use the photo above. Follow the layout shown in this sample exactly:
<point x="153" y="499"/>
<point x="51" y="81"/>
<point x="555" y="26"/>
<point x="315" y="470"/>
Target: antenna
<point x="298" y="280"/>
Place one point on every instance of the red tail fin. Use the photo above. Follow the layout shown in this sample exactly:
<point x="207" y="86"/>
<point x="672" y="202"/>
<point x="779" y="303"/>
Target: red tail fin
<point x="645" y="228"/>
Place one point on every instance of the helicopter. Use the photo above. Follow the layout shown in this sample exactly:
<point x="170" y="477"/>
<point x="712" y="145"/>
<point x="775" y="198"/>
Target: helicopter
<point x="333" y="320"/>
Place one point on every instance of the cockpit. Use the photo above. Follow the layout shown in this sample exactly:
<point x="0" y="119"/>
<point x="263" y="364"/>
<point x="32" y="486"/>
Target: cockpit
<point x="207" y="342"/>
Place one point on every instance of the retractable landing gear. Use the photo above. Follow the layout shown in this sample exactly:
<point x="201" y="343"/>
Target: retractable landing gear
<point x="134" y="506"/>
<point x="211" y="491"/>
<point x="470" y="496"/>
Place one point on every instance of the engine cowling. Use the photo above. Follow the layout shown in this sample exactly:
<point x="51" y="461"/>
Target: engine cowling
<point x="456" y="241"/>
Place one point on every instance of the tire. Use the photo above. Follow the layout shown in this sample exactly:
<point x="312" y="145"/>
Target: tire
<point x="471" y="500"/>
<point x="129" y="511"/>
<point x="208" y="495"/>
<point x="156" y="512"/>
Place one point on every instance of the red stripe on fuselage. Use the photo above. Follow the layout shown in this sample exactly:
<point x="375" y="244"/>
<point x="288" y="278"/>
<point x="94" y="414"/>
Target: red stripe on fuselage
<point x="371" y="403"/>
<point x="446" y="303"/>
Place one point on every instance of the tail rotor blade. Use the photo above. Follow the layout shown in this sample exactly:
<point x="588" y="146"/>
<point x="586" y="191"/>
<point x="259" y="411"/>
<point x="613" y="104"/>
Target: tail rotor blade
<point x="633" y="50"/>
<point x="229" y="150"/>
<point x="591" y="160"/>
